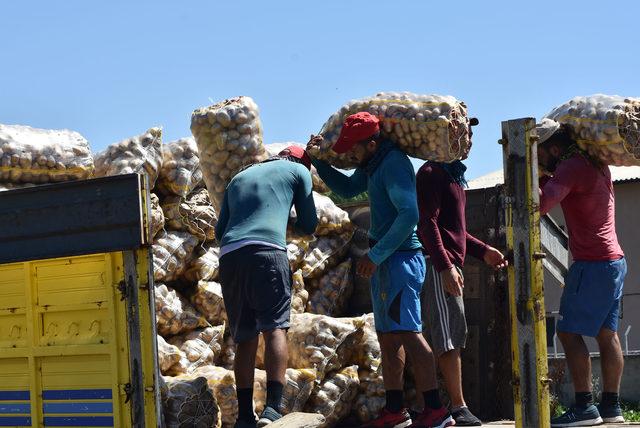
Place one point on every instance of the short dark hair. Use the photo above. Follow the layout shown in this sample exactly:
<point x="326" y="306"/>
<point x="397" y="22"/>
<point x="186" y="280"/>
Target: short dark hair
<point x="561" y="139"/>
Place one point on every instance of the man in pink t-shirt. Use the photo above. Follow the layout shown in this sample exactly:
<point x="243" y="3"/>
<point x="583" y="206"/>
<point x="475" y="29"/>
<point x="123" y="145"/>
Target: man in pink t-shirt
<point x="590" y="304"/>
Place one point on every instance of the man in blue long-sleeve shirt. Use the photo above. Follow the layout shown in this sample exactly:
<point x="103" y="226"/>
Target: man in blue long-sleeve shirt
<point x="254" y="269"/>
<point x="394" y="263"/>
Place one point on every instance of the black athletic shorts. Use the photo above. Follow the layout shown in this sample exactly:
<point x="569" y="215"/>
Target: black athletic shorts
<point x="256" y="286"/>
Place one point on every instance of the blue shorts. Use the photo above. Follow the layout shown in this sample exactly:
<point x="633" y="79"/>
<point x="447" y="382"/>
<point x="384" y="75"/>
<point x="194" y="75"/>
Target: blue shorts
<point x="591" y="297"/>
<point x="395" y="292"/>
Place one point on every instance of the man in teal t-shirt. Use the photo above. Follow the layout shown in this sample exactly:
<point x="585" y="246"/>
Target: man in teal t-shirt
<point x="254" y="269"/>
<point x="394" y="263"/>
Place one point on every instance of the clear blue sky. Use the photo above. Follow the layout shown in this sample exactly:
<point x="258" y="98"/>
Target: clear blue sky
<point x="112" y="69"/>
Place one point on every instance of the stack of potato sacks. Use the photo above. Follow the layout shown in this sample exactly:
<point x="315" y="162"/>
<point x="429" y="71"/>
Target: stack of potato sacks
<point x="328" y="354"/>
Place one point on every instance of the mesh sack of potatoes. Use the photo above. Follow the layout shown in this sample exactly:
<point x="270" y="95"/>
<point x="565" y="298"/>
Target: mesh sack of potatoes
<point x="199" y="348"/>
<point x="229" y="137"/>
<point x="297" y="247"/>
<point x="193" y="214"/>
<point x="331" y="218"/>
<point x="432" y="127"/>
<point x="325" y="252"/>
<point x="172" y="251"/>
<point x="157" y="216"/>
<point x="607" y="127"/>
<point x="207" y="298"/>
<point x="33" y="155"/>
<point x="299" y="295"/>
<point x="330" y="293"/>
<point x="174" y="313"/>
<point x="371" y="398"/>
<point x="298" y="387"/>
<point x="139" y="154"/>
<point x="180" y="172"/>
<point x="366" y="354"/>
<point x="168" y="355"/>
<point x="190" y="403"/>
<point x="317" y="341"/>
<point x="334" y="396"/>
<point x="227" y="355"/>
<point x="318" y="185"/>
<point x="205" y="265"/>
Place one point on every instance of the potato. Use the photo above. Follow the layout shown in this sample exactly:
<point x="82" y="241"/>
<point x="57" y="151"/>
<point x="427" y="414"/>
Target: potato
<point x="168" y="355"/>
<point x="371" y="398"/>
<point x="330" y="293"/>
<point x="180" y="173"/>
<point x="229" y="138"/>
<point x="325" y="252"/>
<point x="157" y="216"/>
<point x="298" y="387"/>
<point x="334" y="397"/>
<point x="205" y="265"/>
<point x="33" y="155"/>
<point x="174" y="314"/>
<point x="299" y="296"/>
<point x="193" y="214"/>
<point x="139" y="154"/>
<point x="431" y="127"/>
<point x="605" y="126"/>
<point x="172" y="252"/>
<point x="331" y="218"/>
<point x="199" y="348"/>
<point x="207" y="299"/>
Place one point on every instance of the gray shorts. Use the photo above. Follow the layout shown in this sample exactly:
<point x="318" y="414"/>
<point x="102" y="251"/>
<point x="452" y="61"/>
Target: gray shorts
<point x="256" y="287"/>
<point x="443" y="314"/>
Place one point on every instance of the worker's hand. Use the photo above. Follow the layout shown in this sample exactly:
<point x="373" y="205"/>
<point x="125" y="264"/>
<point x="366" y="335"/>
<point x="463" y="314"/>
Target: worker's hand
<point x="453" y="282"/>
<point x="495" y="258"/>
<point x="314" y="142"/>
<point x="365" y="267"/>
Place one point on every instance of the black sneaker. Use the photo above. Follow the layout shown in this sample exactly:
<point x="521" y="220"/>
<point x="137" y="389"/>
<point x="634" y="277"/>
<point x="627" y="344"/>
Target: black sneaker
<point x="269" y="414"/>
<point x="578" y="417"/>
<point x="611" y="413"/>
<point x="465" y="418"/>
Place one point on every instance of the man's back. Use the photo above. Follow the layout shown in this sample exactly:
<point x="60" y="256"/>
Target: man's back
<point x="258" y="200"/>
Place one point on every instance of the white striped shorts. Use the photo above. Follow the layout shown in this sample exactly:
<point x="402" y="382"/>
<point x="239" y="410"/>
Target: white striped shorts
<point x="443" y="314"/>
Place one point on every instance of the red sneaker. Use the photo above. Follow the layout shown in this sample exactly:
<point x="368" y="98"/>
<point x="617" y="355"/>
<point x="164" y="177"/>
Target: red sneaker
<point x="389" y="419"/>
<point x="439" y="418"/>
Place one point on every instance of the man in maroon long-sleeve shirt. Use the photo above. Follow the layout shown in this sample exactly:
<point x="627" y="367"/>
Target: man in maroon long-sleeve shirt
<point x="590" y="304"/>
<point x="443" y="232"/>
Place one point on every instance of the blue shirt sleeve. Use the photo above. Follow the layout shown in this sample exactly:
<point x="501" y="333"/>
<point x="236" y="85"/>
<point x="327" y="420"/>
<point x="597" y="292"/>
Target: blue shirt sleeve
<point x="400" y="182"/>
<point x="344" y="185"/>
<point x="223" y="219"/>
<point x="304" y="204"/>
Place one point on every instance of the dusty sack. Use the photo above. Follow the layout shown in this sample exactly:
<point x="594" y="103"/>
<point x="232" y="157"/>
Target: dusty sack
<point x="607" y="127"/>
<point x="199" y="348"/>
<point x="180" y="173"/>
<point x="299" y="295"/>
<point x="193" y="214"/>
<point x="318" y="185"/>
<point x="207" y="299"/>
<point x="139" y="154"/>
<point x="157" y="216"/>
<point x="174" y="313"/>
<point x="168" y="355"/>
<point x="331" y="218"/>
<point x="32" y="155"/>
<point x="189" y="403"/>
<point x="205" y="266"/>
<point x="172" y="251"/>
<point x="371" y="398"/>
<point x="331" y="292"/>
<point x="229" y="137"/>
<point x="333" y="398"/>
<point x="324" y="253"/>
<point x="430" y="127"/>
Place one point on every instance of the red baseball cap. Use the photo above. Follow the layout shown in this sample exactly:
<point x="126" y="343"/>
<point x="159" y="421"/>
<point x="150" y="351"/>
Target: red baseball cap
<point x="298" y="153"/>
<point x="356" y="128"/>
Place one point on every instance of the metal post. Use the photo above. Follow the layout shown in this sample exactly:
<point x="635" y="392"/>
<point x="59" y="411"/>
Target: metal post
<point x="525" y="273"/>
